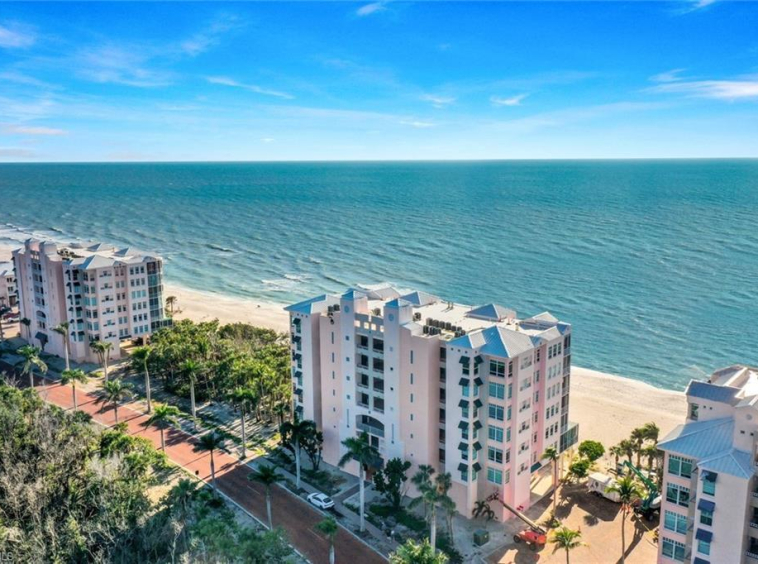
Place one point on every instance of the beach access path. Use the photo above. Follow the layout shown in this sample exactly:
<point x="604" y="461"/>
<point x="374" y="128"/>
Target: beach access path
<point x="289" y="512"/>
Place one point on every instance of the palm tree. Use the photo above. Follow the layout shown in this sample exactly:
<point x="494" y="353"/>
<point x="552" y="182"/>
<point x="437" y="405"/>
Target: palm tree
<point x="115" y="391"/>
<point x="210" y="442"/>
<point x="62" y="330"/>
<point x="651" y="432"/>
<point x="432" y="495"/>
<point x="280" y="410"/>
<point x="483" y="509"/>
<point x="651" y="453"/>
<point x="102" y="350"/>
<point x="294" y="432"/>
<point x="448" y="506"/>
<point x="31" y="361"/>
<point x="566" y="539"/>
<point x="191" y="369"/>
<point x="266" y="475"/>
<point x="551" y="454"/>
<point x="626" y="448"/>
<point x="140" y="356"/>
<point x="243" y="399"/>
<point x="628" y="491"/>
<point x="422" y="479"/>
<point x="163" y="416"/>
<point x="170" y="303"/>
<point x="616" y="452"/>
<point x="359" y="449"/>
<point x="69" y="376"/>
<point x="329" y="528"/>
<point x="637" y="439"/>
<point x="413" y="552"/>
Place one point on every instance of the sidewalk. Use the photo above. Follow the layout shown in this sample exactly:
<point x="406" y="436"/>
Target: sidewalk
<point x="291" y="513"/>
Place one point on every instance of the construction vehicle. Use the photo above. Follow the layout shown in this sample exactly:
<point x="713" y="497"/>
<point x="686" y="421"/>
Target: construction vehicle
<point x="535" y="536"/>
<point x="648" y="506"/>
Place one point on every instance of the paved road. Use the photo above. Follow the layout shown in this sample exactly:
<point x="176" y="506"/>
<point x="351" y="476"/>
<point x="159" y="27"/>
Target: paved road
<point x="291" y="513"/>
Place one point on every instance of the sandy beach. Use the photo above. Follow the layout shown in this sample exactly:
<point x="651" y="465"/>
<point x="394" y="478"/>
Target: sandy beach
<point x="607" y="407"/>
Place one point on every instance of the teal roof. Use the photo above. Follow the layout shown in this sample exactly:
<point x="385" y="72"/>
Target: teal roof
<point x="306" y="306"/>
<point x="353" y="294"/>
<point x="734" y="462"/>
<point x="713" y="392"/>
<point x="420" y="298"/>
<point x="491" y="312"/>
<point x="700" y="440"/>
<point x="495" y="341"/>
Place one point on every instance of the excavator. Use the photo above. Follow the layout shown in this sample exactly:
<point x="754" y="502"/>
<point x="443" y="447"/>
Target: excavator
<point x="649" y="505"/>
<point x="535" y="536"/>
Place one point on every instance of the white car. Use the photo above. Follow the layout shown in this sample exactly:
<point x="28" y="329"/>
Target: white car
<point x="322" y="501"/>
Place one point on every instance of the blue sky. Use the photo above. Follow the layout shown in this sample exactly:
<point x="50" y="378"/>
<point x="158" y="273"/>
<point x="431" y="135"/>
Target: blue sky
<point x="386" y="80"/>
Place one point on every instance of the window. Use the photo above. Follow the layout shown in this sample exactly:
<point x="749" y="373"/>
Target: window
<point x="709" y="487"/>
<point x="362" y="341"/>
<point x="679" y="466"/>
<point x="703" y="547"/>
<point x="464" y="475"/>
<point x="706" y="517"/>
<point x="411" y="357"/>
<point x="675" y="522"/>
<point x="465" y="390"/>
<point x="693" y="411"/>
<point x="495" y="433"/>
<point x="495" y="455"/>
<point x="496" y="412"/>
<point x="497" y="390"/>
<point x="673" y="549"/>
<point x="497" y="369"/>
<point x="495" y="476"/>
<point x="678" y="494"/>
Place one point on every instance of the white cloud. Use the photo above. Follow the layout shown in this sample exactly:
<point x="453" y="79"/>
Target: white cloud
<point x="210" y="36"/>
<point x="417" y="124"/>
<point x="120" y="65"/>
<point x="512" y="101"/>
<point x="17" y="153"/>
<point x="267" y="140"/>
<point x="369" y="9"/>
<point x="226" y="81"/>
<point x="14" y="35"/>
<point x="437" y="101"/>
<point x="742" y="89"/>
<point x="20" y="78"/>
<point x="669" y="76"/>
<point x="32" y="130"/>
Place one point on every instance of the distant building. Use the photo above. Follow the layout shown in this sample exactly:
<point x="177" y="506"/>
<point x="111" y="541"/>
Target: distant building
<point x="468" y="390"/>
<point x="7" y="285"/>
<point x="709" y="512"/>
<point x="104" y="293"/>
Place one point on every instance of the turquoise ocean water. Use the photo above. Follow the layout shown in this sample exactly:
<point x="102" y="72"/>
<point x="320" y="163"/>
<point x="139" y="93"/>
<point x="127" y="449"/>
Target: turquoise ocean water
<point x="654" y="262"/>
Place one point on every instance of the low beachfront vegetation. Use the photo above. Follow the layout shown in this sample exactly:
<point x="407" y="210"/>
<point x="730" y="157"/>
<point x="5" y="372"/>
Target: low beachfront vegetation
<point x="70" y="492"/>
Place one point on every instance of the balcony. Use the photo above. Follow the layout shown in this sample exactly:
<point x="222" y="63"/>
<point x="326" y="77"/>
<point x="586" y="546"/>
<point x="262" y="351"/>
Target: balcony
<point x="370" y="429"/>
<point x="753" y="555"/>
<point x="753" y="523"/>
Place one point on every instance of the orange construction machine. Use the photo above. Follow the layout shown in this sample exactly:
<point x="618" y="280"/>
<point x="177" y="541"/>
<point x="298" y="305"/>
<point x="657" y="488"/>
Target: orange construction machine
<point x="535" y="536"/>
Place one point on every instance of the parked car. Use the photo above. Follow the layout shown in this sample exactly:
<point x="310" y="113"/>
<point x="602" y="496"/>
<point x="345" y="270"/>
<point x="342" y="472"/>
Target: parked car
<point x="598" y="483"/>
<point x="322" y="501"/>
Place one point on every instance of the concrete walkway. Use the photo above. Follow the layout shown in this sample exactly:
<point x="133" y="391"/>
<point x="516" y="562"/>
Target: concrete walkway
<point x="290" y="513"/>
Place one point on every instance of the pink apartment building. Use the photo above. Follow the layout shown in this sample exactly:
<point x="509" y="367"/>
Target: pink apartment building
<point x="473" y="391"/>
<point x="104" y="293"/>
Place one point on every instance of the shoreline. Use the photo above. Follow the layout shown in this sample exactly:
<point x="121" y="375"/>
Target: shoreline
<point x="606" y="406"/>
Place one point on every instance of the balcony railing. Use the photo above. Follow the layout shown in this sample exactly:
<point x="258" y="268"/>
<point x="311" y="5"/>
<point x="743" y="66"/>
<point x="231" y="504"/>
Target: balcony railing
<point x="370" y="429"/>
<point x="753" y="524"/>
<point x="753" y="555"/>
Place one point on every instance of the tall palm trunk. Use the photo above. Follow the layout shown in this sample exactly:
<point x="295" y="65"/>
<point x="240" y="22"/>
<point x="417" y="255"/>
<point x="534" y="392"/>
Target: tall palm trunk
<point x="163" y="442"/>
<point x="65" y="352"/>
<point x="192" y="400"/>
<point x="31" y="378"/>
<point x="73" y="390"/>
<point x="331" y="551"/>
<point x="567" y="556"/>
<point x="147" y="390"/>
<point x="268" y="508"/>
<point x="623" y="537"/>
<point x="115" y="411"/>
<point x="362" y="477"/>
<point x="244" y="445"/>
<point x="297" y="469"/>
<point x="213" y="473"/>
<point x="555" y="488"/>
<point x="433" y="532"/>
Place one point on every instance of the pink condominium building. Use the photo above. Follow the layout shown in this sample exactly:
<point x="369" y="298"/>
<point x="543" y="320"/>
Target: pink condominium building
<point x="104" y="293"/>
<point x="709" y="510"/>
<point x="473" y="391"/>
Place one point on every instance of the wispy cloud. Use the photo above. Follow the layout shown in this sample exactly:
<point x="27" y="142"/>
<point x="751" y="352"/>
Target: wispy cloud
<point x="21" y="78"/>
<point x="730" y="90"/>
<point x="417" y="124"/>
<point x="120" y="65"/>
<point x="15" y="35"/>
<point x="16" y="153"/>
<point x="32" y="130"/>
<point x="372" y="8"/>
<point x="437" y="101"/>
<point x="226" y="81"/>
<point x="512" y="101"/>
<point x="267" y="140"/>
<point x="204" y="40"/>
<point x="669" y="76"/>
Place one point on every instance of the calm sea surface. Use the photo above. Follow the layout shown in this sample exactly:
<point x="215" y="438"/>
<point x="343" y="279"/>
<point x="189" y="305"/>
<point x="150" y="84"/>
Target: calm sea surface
<point x="654" y="262"/>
